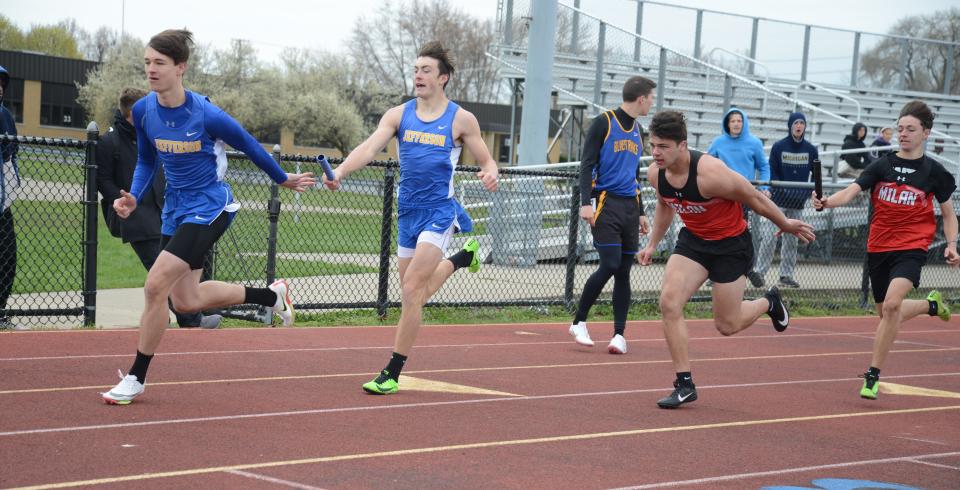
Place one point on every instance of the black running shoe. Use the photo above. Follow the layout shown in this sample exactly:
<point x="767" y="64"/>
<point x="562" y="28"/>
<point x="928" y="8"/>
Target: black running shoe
<point x="681" y="394"/>
<point x="777" y="310"/>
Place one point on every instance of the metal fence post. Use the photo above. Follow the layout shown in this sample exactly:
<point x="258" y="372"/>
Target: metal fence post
<point x="662" y="77"/>
<point x="855" y="69"/>
<point x="273" y="220"/>
<point x="574" y="33"/>
<point x="727" y="91"/>
<point x="386" y="225"/>
<point x="598" y="79"/>
<point x="806" y="53"/>
<point x="698" y="35"/>
<point x="90" y="229"/>
<point x="639" y="30"/>
<point x="572" y="258"/>
<point x="904" y="55"/>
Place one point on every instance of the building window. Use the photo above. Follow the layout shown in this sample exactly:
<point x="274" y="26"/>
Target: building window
<point x="59" y="107"/>
<point x="13" y="99"/>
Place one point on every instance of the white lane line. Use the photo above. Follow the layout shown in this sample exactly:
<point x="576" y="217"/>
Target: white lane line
<point x="865" y="335"/>
<point x="742" y="476"/>
<point x="321" y="411"/>
<point x="938" y="465"/>
<point x="926" y="441"/>
<point x="271" y="479"/>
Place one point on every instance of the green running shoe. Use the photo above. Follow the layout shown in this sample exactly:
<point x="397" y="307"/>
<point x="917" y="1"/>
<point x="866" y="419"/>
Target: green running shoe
<point x="871" y="385"/>
<point x="383" y="384"/>
<point x="943" y="311"/>
<point x="473" y="246"/>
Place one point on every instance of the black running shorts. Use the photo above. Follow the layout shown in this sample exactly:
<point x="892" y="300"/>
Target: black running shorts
<point x="617" y="223"/>
<point x="884" y="266"/>
<point x="192" y="241"/>
<point x="725" y="260"/>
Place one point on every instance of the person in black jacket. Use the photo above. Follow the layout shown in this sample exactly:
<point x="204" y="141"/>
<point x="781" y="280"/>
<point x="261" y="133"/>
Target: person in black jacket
<point x="9" y="181"/>
<point x="855" y="162"/>
<point x="116" y="160"/>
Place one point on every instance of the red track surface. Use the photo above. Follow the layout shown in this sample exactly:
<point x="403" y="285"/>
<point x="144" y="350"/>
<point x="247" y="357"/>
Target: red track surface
<point x="261" y="408"/>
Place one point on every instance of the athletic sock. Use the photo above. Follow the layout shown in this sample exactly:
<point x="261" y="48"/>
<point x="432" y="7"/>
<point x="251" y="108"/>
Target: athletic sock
<point x="259" y="296"/>
<point x="140" y="365"/>
<point x="461" y="259"/>
<point x="685" y="378"/>
<point x="395" y="366"/>
<point x="873" y="372"/>
<point x="618" y="329"/>
<point x="932" y="311"/>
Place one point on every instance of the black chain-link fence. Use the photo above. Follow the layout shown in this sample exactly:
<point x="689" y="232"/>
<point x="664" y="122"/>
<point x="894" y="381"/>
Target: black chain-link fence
<point x="338" y="249"/>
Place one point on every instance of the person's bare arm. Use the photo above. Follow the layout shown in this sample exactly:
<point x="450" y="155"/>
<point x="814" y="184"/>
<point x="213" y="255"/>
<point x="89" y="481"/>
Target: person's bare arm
<point x="466" y="126"/>
<point x="837" y="199"/>
<point x="715" y="179"/>
<point x="367" y="151"/>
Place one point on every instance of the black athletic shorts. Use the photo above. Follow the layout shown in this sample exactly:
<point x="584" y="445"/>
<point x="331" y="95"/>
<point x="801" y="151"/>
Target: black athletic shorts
<point x="617" y="222"/>
<point x="192" y="241"/>
<point x="725" y="260"/>
<point x="884" y="266"/>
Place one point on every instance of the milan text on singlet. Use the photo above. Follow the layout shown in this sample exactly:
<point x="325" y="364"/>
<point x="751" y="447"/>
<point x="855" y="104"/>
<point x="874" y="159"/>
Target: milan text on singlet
<point x="902" y="193"/>
<point x="707" y="219"/>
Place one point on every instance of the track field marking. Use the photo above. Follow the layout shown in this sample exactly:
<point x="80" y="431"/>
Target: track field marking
<point x="866" y="335"/>
<point x="524" y="332"/>
<point x="741" y="476"/>
<point x="898" y="389"/>
<point x="516" y="442"/>
<point x="420" y="384"/>
<point x="270" y="479"/>
<point x="477" y="369"/>
<point x="474" y="401"/>
<point x="937" y="465"/>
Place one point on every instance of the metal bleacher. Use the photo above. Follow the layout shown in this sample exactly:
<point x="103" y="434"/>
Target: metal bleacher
<point x="590" y="70"/>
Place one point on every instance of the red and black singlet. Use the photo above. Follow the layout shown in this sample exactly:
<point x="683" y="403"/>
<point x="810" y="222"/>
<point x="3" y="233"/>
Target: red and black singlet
<point x="902" y="192"/>
<point x="708" y="219"/>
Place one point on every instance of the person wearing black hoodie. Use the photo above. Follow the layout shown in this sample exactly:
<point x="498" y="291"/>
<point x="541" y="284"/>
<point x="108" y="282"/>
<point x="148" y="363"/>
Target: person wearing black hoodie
<point x="856" y="162"/>
<point x="116" y="155"/>
<point x="791" y="159"/>
<point x="9" y="181"/>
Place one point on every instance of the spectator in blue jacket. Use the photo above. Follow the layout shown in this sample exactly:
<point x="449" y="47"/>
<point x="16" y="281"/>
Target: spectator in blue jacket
<point x="743" y="153"/>
<point x="791" y="159"/>
<point x="9" y="181"/>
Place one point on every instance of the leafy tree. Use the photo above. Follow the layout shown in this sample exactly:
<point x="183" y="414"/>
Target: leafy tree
<point x="385" y="47"/>
<point x="927" y="63"/>
<point x="52" y="40"/>
<point x="122" y="67"/>
<point x="11" y="37"/>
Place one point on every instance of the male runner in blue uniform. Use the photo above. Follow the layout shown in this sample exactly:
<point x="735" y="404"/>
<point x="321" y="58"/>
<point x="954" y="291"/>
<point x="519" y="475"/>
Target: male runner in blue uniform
<point x="428" y="130"/>
<point x="186" y="133"/>
<point x="609" y="168"/>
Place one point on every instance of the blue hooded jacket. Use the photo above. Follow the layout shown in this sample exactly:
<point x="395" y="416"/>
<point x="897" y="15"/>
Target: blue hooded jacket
<point x="744" y="153"/>
<point x="792" y="161"/>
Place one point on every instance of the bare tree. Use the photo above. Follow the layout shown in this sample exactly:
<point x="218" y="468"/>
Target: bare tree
<point x="385" y="47"/>
<point x="926" y="62"/>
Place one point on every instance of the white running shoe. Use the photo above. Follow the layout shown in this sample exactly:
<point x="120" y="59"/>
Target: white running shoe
<point x="618" y="345"/>
<point x="126" y="390"/>
<point x="284" y="306"/>
<point x="580" y="333"/>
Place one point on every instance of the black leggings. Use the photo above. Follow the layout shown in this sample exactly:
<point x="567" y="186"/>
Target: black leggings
<point x="8" y="257"/>
<point x="612" y="263"/>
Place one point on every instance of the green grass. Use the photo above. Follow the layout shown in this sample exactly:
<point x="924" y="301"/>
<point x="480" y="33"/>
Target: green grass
<point x="50" y="253"/>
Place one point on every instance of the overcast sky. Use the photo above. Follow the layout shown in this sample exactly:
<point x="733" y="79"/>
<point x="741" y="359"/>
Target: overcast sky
<point x="326" y="24"/>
